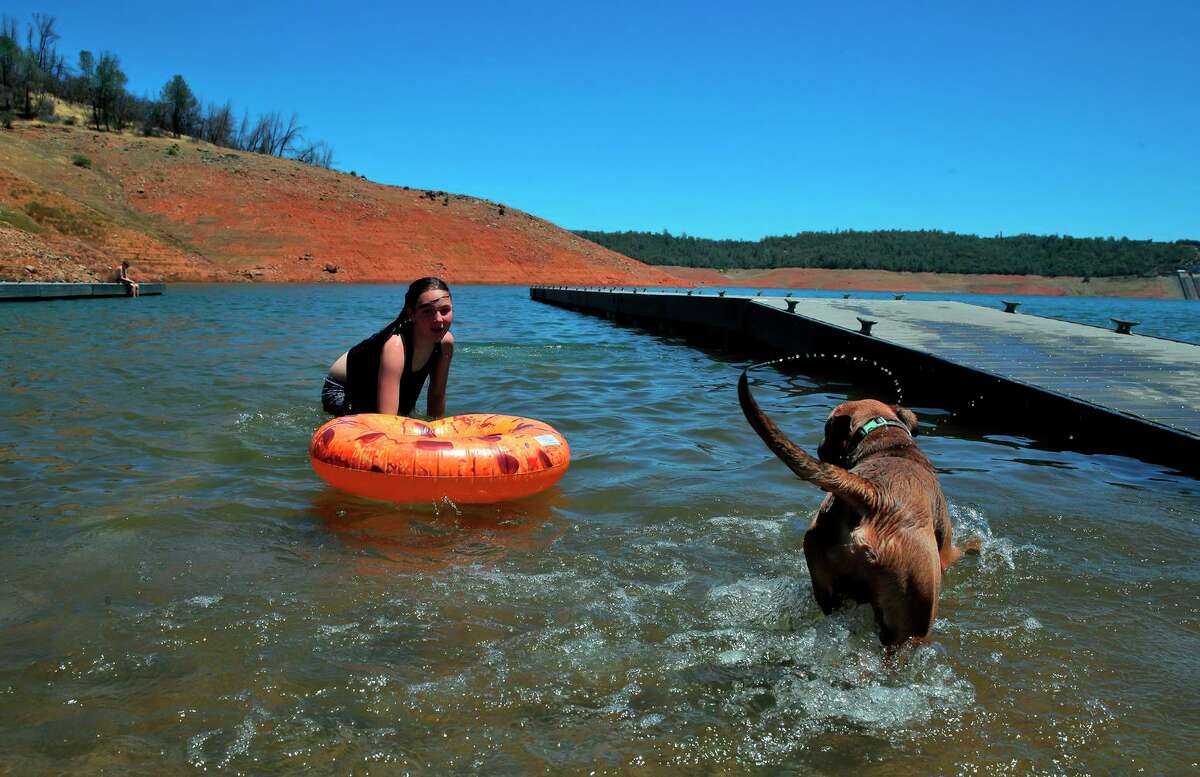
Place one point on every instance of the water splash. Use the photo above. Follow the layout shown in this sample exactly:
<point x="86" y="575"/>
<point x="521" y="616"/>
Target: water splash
<point x="838" y="358"/>
<point x="897" y="388"/>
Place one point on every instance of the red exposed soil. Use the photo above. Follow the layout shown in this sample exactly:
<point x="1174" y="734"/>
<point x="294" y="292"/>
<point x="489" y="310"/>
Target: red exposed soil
<point x="74" y="203"/>
<point x="184" y="210"/>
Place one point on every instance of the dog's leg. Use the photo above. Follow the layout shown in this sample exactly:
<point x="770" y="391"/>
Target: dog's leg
<point x="887" y="626"/>
<point x="820" y="571"/>
<point x="949" y="555"/>
<point x="900" y="621"/>
<point x="944" y="533"/>
<point x="905" y="593"/>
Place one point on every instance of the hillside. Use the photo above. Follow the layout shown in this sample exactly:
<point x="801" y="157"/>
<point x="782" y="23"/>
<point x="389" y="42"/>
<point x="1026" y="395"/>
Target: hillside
<point x="74" y="203"/>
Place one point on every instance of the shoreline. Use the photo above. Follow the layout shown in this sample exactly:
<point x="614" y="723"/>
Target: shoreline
<point x="883" y="281"/>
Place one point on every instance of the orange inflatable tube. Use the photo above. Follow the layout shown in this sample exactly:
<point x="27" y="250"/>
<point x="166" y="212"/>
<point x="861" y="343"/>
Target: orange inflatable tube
<point x="468" y="458"/>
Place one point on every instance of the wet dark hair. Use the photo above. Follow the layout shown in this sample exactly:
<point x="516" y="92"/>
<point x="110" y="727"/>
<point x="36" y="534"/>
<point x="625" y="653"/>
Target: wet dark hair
<point x="416" y="289"/>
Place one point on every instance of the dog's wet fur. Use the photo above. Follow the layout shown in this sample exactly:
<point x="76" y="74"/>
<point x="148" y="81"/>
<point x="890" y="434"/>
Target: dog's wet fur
<point x="882" y="536"/>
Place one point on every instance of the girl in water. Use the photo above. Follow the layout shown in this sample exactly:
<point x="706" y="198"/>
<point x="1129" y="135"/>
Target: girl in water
<point x="385" y="372"/>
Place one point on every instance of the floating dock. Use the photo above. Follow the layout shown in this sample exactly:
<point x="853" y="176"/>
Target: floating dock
<point x="1063" y="384"/>
<point x="25" y="292"/>
<point x="1188" y="284"/>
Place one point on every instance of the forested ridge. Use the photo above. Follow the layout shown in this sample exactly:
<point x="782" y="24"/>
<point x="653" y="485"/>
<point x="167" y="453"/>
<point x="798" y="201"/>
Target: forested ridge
<point x="34" y="75"/>
<point x="911" y="251"/>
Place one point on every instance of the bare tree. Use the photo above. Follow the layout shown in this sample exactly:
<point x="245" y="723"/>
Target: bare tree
<point x="260" y="138"/>
<point x="271" y="136"/>
<point x="46" y="35"/>
<point x="318" y="154"/>
<point x="218" y="125"/>
<point x="287" y="137"/>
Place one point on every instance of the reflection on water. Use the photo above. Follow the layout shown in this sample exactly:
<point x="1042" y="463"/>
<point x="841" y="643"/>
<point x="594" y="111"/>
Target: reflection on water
<point x="426" y="538"/>
<point x="182" y="590"/>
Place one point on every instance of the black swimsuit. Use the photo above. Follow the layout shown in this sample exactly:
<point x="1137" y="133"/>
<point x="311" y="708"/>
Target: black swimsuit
<point x="361" y="392"/>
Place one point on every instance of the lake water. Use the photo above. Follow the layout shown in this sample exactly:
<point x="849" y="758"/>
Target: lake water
<point x="182" y="594"/>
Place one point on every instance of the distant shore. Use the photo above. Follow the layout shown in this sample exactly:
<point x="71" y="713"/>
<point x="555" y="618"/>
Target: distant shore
<point x="1161" y="287"/>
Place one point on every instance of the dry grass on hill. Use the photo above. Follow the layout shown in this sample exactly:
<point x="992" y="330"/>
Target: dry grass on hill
<point x="180" y="209"/>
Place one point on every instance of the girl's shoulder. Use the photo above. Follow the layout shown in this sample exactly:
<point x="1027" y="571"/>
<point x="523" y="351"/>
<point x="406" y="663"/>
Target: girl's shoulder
<point x="392" y="355"/>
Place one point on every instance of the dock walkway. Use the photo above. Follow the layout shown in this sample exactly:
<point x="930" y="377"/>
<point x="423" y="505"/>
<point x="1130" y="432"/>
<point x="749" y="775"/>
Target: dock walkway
<point x="1071" y="385"/>
<point x="1146" y="377"/>
<point x="23" y="291"/>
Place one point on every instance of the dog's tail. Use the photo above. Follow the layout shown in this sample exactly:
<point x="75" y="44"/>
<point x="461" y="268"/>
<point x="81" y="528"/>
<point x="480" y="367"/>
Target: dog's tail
<point x="859" y="492"/>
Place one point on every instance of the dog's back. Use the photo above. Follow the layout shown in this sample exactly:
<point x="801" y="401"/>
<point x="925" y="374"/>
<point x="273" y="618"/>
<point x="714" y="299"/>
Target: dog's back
<point x="882" y="536"/>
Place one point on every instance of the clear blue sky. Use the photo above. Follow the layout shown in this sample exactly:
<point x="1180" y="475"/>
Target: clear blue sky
<point x="1076" y="118"/>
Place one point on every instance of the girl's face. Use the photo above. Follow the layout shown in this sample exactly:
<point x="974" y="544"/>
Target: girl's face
<point x="433" y="314"/>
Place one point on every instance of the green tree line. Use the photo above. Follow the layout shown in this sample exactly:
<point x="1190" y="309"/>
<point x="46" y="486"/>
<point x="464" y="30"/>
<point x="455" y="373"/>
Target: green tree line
<point x="910" y="251"/>
<point x="34" y="73"/>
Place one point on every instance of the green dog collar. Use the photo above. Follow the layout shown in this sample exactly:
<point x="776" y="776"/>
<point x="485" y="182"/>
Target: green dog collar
<point x="876" y="423"/>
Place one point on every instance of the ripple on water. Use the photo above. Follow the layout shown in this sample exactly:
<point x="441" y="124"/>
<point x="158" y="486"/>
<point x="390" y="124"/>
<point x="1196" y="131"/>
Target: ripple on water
<point x="762" y="528"/>
<point x="996" y="554"/>
<point x="186" y="589"/>
<point x="745" y="667"/>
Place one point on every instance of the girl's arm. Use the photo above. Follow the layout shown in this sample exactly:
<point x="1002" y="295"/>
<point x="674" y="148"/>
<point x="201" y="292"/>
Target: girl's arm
<point x="391" y="367"/>
<point x="436" y="396"/>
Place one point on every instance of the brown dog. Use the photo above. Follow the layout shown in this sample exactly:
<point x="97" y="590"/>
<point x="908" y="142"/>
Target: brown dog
<point x="882" y="535"/>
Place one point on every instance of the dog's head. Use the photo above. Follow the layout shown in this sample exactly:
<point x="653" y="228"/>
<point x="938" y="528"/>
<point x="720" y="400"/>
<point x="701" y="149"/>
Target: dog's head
<point x="843" y="427"/>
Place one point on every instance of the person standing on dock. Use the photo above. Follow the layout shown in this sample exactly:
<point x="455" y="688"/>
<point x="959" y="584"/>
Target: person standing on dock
<point x="385" y="372"/>
<point x="131" y="286"/>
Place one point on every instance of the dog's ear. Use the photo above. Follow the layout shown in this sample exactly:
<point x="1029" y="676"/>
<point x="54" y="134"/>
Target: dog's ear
<point x="908" y="417"/>
<point x="833" y="448"/>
